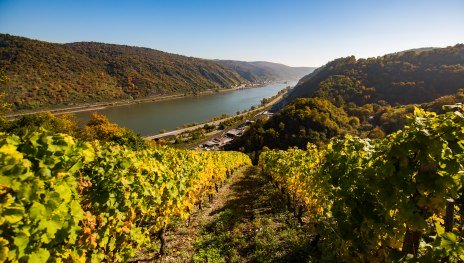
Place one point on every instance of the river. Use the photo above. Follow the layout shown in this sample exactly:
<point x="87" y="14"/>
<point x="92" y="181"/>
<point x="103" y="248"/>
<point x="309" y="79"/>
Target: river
<point x="152" y="117"/>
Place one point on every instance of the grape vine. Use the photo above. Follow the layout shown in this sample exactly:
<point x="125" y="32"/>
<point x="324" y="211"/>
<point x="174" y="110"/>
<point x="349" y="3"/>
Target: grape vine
<point x="65" y="200"/>
<point x="391" y="199"/>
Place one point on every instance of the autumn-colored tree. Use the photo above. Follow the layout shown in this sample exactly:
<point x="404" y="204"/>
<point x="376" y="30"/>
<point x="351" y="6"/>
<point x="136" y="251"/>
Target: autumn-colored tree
<point x="29" y="123"/>
<point x="100" y="128"/>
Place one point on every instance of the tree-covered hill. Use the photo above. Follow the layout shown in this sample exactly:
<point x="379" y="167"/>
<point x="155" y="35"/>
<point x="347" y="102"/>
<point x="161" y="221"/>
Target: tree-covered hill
<point x="46" y="74"/>
<point x="414" y="76"/>
<point x="365" y="97"/>
<point x="306" y="120"/>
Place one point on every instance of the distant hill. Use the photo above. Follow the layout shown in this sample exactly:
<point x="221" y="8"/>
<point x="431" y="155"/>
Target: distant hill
<point x="45" y="74"/>
<point x="414" y="76"/>
<point x="266" y="70"/>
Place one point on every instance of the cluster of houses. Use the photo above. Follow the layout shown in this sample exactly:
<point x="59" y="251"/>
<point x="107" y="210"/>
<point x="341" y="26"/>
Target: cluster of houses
<point x="264" y="115"/>
<point x="250" y="85"/>
<point x="219" y="142"/>
<point x="228" y="136"/>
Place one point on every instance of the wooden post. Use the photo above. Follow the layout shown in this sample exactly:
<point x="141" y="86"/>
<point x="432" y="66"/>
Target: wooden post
<point x="449" y="217"/>
<point x="162" y="239"/>
<point x="460" y="204"/>
<point x="299" y="216"/>
<point x="289" y="202"/>
<point x="411" y="242"/>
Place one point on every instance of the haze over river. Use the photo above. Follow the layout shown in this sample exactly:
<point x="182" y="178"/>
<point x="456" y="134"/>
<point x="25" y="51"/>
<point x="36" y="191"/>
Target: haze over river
<point x="152" y="117"/>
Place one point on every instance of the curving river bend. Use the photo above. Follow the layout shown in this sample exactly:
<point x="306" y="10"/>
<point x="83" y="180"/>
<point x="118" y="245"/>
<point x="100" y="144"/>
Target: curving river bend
<point x="152" y="117"/>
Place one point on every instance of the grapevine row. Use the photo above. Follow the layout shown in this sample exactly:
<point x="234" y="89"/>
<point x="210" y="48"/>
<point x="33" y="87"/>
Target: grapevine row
<point x="65" y="200"/>
<point x="385" y="200"/>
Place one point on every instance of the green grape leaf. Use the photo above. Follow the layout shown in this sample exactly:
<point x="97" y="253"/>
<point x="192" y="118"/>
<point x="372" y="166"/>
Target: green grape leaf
<point x="39" y="256"/>
<point x="13" y="214"/>
<point x="37" y="211"/>
<point x="64" y="191"/>
<point x="21" y="241"/>
<point x="439" y="228"/>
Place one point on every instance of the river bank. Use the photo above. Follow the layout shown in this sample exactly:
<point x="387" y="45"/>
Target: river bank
<point x="152" y="117"/>
<point x="117" y="103"/>
<point x="215" y="122"/>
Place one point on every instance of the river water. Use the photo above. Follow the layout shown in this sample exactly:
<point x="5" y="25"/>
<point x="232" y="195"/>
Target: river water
<point x="152" y="117"/>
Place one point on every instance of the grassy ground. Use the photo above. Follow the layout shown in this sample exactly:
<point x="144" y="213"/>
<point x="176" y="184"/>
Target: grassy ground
<point x="246" y="222"/>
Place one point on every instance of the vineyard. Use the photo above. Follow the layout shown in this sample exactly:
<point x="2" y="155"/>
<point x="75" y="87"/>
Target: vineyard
<point x="392" y="199"/>
<point x="356" y="200"/>
<point x="67" y="200"/>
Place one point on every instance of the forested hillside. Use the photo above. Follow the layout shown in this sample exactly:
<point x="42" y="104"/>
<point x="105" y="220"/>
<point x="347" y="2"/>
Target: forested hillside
<point x="401" y="78"/>
<point x="365" y="97"/>
<point x="43" y="74"/>
<point x="306" y="120"/>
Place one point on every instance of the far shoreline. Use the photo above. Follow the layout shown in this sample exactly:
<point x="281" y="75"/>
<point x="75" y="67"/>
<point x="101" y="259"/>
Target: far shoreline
<point x="118" y="103"/>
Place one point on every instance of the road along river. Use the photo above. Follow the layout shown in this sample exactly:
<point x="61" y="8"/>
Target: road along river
<point x="152" y="117"/>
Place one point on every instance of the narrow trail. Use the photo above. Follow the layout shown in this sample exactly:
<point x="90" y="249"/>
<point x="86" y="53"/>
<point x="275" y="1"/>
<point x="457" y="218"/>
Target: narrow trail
<point x="181" y="238"/>
<point x="247" y="221"/>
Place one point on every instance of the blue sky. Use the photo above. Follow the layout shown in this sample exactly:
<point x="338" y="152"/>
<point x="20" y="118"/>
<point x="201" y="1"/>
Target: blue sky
<point x="296" y="33"/>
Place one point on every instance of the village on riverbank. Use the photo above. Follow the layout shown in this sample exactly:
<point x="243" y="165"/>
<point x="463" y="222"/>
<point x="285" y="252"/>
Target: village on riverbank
<point x="226" y="137"/>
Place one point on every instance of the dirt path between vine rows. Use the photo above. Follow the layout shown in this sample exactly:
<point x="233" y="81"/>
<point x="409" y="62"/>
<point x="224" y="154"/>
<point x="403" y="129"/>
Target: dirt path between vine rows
<point x="180" y="244"/>
<point x="247" y="221"/>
